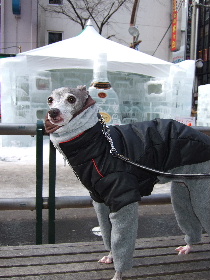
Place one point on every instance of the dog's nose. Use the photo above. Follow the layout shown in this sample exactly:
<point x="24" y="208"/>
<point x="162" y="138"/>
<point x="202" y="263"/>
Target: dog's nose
<point x="54" y="112"/>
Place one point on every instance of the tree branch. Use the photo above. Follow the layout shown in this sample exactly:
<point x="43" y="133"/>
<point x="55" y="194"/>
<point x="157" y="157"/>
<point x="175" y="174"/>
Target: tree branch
<point x="79" y="11"/>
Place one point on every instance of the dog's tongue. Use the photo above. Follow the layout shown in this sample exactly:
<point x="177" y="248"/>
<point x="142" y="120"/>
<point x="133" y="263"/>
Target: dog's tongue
<point x="50" y="127"/>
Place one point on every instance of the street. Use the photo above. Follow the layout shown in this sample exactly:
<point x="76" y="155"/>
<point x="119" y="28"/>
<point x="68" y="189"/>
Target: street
<point x="75" y="225"/>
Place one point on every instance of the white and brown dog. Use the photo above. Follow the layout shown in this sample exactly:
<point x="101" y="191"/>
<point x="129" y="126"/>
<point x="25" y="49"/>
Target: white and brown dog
<point x="76" y="129"/>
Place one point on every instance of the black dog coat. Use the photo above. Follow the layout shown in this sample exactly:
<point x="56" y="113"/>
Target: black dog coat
<point x="159" y="144"/>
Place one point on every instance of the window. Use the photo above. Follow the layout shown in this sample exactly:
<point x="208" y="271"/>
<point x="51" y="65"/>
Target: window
<point x="56" y="2"/>
<point x="154" y="88"/>
<point x="54" y="37"/>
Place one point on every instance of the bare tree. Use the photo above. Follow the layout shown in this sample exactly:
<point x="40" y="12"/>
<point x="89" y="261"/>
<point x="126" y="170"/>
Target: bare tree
<point x="79" y="11"/>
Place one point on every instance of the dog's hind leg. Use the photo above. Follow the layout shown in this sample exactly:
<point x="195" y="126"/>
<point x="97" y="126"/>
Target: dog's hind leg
<point x="191" y="203"/>
<point x="200" y="196"/>
<point x="185" y="216"/>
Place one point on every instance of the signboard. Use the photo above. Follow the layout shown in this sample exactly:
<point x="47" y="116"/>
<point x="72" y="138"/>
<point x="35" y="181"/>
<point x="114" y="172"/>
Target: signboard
<point x="189" y="121"/>
<point x="16" y="7"/>
<point x="174" y="27"/>
<point x="179" y="56"/>
<point x="5" y="55"/>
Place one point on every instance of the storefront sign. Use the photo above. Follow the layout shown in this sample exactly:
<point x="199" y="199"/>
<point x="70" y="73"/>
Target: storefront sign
<point x="174" y="27"/>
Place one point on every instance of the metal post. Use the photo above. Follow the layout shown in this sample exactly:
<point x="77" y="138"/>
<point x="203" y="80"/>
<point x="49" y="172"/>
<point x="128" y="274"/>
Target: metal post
<point x="52" y="178"/>
<point x="39" y="181"/>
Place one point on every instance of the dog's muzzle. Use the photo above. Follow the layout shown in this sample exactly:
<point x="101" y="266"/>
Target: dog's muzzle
<point x="54" y="112"/>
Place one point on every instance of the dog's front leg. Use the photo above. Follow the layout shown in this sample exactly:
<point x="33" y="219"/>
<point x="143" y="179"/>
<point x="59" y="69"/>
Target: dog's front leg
<point x="184" y="250"/>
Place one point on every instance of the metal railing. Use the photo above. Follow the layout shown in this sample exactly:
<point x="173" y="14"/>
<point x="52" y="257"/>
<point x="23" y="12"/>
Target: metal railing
<point x="8" y="204"/>
<point x="51" y="202"/>
<point x="39" y="202"/>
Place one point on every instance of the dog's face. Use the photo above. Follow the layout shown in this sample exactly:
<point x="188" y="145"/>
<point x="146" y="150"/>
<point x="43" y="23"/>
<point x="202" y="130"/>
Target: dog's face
<point x="65" y="102"/>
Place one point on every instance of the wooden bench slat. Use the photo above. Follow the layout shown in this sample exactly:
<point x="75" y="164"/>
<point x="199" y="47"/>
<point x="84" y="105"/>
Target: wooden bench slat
<point x="107" y="273"/>
<point x="68" y="248"/>
<point x="154" y="258"/>
<point x="147" y="255"/>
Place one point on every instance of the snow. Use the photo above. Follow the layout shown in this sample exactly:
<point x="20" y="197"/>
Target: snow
<point x="18" y="174"/>
<point x="27" y="155"/>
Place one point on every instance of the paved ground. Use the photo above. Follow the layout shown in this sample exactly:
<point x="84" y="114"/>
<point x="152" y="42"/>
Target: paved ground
<point x="75" y="225"/>
<point x="72" y="225"/>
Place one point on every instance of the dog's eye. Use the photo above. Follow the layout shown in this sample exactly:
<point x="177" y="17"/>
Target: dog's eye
<point x="71" y="99"/>
<point x="50" y="100"/>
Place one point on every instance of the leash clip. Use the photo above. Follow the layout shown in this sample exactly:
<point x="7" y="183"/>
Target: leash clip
<point x="113" y="151"/>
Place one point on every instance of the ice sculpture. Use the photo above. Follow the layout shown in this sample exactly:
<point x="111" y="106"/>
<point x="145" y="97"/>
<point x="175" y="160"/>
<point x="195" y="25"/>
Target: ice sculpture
<point x="136" y="97"/>
<point x="103" y="93"/>
<point x="203" y="114"/>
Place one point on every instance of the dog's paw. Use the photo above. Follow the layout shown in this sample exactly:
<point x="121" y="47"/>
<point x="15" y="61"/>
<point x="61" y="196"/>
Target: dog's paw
<point x="117" y="276"/>
<point x="106" y="259"/>
<point x="184" y="250"/>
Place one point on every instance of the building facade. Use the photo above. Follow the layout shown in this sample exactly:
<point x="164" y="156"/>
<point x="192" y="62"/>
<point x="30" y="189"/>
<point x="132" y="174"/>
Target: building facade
<point x="164" y="28"/>
<point x="203" y="45"/>
<point x="18" y="29"/>
<point x="26" y="25"/>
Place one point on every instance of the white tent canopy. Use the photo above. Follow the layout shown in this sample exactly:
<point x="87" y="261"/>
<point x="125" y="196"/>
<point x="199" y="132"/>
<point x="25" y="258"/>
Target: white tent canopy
<point x="80" y="52"/>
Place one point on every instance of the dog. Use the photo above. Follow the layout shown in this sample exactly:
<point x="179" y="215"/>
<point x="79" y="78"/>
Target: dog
<point x="77" y="130"/>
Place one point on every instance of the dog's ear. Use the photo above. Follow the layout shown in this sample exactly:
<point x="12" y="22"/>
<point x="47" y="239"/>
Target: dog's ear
<point x="84" y="91"/>
<point x="82" y="88"/>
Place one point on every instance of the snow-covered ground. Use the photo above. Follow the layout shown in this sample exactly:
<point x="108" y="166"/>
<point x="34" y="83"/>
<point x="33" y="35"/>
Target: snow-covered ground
<point x="26" y="155"/>
<point x="18" y="174"/>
